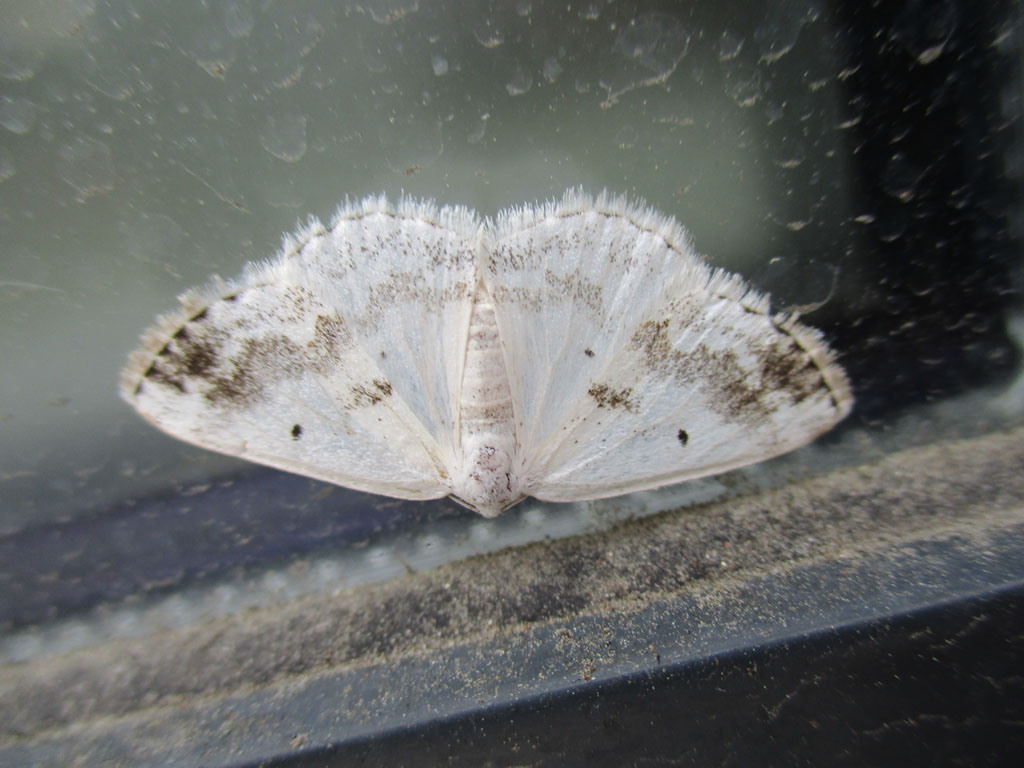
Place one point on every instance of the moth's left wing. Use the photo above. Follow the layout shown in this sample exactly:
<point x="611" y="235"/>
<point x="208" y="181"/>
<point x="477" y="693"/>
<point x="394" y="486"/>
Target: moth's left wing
<point x="341" y="359"/>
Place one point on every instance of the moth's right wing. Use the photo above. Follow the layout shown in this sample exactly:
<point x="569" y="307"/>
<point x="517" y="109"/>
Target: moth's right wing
<point x="634" y="365"/>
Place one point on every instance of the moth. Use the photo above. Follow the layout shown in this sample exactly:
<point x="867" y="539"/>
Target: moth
<point x="572" y="350"/>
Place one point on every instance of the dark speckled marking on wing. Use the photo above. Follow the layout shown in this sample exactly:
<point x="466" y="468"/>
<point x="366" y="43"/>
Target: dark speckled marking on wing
<point x="193" y="351"/>
<point x="371" y="393"/>
<point x="216" y="355"/>
<point x="740" y="394"/>
<point x="606" y="397"/>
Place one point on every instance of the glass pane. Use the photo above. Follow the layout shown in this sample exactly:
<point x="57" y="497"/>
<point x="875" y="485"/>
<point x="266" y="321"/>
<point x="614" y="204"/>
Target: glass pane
<point x="861" y="165"/>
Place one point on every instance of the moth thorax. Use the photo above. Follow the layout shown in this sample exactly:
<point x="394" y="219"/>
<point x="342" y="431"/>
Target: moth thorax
<point x="487" y="440"/>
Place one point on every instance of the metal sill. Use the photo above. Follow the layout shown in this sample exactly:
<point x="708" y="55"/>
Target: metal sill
<point x="872" y="615"/>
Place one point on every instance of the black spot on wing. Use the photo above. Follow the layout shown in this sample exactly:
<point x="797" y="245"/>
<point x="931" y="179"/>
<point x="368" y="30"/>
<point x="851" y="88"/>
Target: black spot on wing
<point x="683" y="436"/>
<point x="296" y="432"/>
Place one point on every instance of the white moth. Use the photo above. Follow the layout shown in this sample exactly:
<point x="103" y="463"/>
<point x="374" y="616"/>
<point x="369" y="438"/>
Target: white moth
<point x="568" y="351"/>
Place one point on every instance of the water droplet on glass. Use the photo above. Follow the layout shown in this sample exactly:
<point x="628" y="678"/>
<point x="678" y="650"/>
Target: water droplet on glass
<point x="789" y="152"/>
<point x="18" y="61"/>
<point x="212" y="48"/>
<point x="891" y="223"/>
<point x="282" y="43"/>
<point x="17" y="114"/>
<point x="390" y="11"/>
<point x="477" y="134"/>
<point x="901" y="178"/>
<point x="773" y="112"/>
<point x="150" y="237"/>
<point x="488" y="34"/>
<point x="109" y="76"/>
<point x="238" y="19"/>
<point x="744" y="86"/>
<point x="284" y="136"/>
<point x="626" y="137"/>
<point x="520" y="83"/>
<point x="374" y="59"/>
<point x="729" y="46"/>
<point x="647" y="52"/>
<point x="655" y="41"/>
<point x="411" y="143"/>
<point x="552" y="69"/>
<point x="85" y="163"/>
<point x="925" y="29"/>
<point x="7" y="168"/>
<point x="778" y="33"/>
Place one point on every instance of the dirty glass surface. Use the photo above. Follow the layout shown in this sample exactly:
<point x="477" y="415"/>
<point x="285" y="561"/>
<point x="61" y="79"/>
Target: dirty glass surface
<point x="861" y="164"/>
